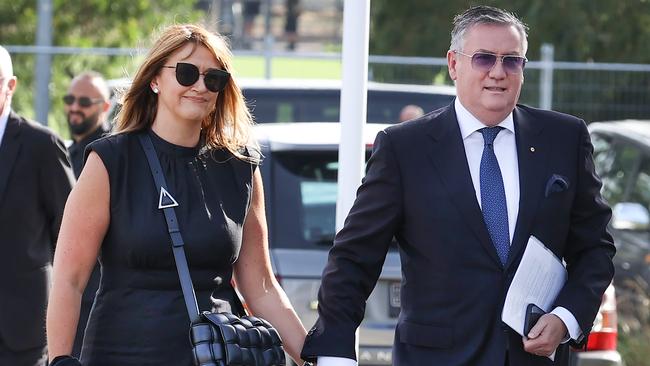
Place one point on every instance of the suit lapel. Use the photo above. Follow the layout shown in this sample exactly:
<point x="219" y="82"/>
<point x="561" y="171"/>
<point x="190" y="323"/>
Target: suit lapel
<point x="9" y="147"/>
<point x="532" y="155"/>
<point x="447" y="153"/>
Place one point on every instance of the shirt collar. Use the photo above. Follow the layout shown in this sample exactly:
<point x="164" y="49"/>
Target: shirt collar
<point x="469" y="124"/>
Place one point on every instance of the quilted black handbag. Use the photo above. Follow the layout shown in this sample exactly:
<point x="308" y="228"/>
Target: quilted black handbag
<point x="218" y="339"/>
<point x="225" y="339"/>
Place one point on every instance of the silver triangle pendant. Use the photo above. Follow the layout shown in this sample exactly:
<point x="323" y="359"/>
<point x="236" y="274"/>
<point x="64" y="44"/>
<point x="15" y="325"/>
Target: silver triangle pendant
<point x="169" y="200"/>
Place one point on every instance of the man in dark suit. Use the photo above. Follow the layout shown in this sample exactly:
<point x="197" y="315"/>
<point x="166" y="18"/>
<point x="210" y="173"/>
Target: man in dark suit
<point x="86" y="109"/>
<point x="35" y="179"/>
<point x="462" y="189"/>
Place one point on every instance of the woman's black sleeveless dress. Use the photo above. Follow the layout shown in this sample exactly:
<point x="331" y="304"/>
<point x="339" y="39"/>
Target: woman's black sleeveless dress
<point x="139" y="317"/>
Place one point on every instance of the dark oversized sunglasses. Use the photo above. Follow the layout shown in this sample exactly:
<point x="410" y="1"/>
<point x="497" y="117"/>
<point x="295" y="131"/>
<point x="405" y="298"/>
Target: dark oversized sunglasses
<point x="187" y="74"/>
<point x="484" y="61"/>
<point x="82" y="101"/>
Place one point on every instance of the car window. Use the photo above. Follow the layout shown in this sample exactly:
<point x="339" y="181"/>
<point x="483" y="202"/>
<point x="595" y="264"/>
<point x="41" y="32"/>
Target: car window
<point x="269" y="105"/>
<point x="303" y="198"/>
<point x="602" y="157"/>
<point x="291" y="105"/>
<point x="323" y="105"/>
<point x="617" y="170"/>
<point x="385" y="106"/>
<point x="640" y="191"/>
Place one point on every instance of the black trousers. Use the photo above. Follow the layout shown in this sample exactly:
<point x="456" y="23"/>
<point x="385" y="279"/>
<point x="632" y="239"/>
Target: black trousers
<point x="29" y="357"/>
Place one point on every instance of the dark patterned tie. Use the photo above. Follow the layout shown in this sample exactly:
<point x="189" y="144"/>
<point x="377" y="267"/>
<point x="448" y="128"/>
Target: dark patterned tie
<point x="493" y="195"/>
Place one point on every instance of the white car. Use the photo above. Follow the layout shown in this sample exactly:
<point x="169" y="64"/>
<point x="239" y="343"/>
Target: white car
<point x="300" y="184"/>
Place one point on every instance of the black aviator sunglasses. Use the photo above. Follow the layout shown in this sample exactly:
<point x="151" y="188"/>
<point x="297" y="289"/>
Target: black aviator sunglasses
<point x="83" y="102"/>
<point x="187" y="74"/>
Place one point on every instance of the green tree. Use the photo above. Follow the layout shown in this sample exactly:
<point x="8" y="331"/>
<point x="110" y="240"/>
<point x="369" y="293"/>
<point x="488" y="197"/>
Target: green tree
<point x="410" y="28"/>
<point x="85" y="23"/>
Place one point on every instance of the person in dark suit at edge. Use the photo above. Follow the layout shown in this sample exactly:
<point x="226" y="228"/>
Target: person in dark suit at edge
<point x="35" y="179"/>
<point x="462" y="189"/>
<point x="86" y="109"/>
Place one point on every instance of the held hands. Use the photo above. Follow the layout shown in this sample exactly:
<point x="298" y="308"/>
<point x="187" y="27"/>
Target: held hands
<point x="545" y="336"/>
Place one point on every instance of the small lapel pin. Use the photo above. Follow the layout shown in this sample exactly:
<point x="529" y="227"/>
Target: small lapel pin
<point x="532" y="149"/>
<point x="166" y="200"/>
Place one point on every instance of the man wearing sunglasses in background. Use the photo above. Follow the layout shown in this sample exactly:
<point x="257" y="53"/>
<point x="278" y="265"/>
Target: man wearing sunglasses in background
<point x="35" y="180"/>
<point x="86" y="107"/>
<point x="462" y="189"/>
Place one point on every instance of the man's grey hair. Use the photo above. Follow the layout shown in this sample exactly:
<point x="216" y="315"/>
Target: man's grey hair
<point x="484" y="15"/>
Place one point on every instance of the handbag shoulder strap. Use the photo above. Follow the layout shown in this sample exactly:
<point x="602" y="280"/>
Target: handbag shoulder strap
<point x="167" y="204"/>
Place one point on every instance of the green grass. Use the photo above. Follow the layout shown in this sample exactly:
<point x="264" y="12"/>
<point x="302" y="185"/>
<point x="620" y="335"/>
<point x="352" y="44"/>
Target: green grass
<point x="633" y="323"/>
<point x="633" y="347"/>
<point x="286" y="67"/>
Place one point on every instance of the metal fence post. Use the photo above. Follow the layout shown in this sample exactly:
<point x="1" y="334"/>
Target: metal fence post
<point x="268" y="56"/>
<point x="43" y="63"/>
<point x="546" y="77"/>
<point x="268" y="41"/>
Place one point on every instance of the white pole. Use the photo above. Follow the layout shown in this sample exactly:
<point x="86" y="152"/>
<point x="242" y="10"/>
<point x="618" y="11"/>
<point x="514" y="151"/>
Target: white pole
<point x="43" y="61"/>
<point x="546" y="78"/>
<point x="354" y="90"/>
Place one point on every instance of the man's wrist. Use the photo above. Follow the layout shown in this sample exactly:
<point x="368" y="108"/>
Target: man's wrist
<point x="573" y="328"/>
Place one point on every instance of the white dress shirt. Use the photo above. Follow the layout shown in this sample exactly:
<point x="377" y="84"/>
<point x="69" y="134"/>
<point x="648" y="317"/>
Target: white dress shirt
<point x="505" y="149"/>
<point x="3" y="121"/>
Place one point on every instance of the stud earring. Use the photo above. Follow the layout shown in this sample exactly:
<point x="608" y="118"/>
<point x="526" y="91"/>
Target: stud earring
<point x="155" y="89"/>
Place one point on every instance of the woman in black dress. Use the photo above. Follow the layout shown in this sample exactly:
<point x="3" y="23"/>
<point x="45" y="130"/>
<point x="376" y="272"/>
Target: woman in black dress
<point x="184" y="98"/>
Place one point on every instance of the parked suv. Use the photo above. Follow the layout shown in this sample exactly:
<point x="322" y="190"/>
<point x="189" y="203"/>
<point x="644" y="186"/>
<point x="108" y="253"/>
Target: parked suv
<point x="299" y="170"/>
<point x="622" y="158"/>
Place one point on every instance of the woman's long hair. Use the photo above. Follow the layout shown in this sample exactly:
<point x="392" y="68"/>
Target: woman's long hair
<point x="228" y="125"/>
